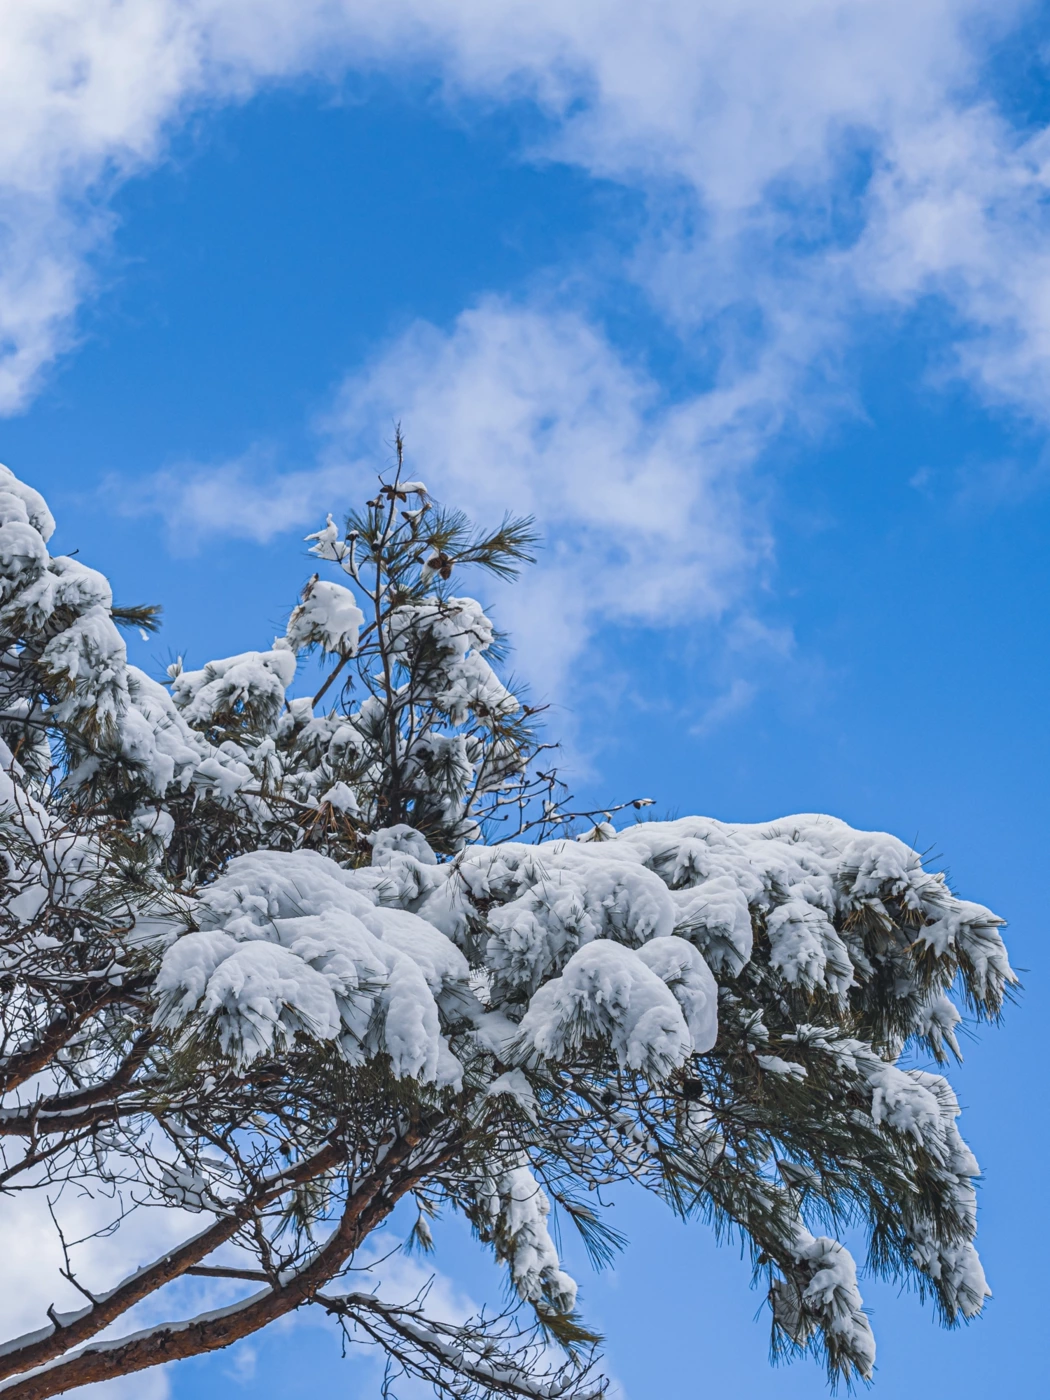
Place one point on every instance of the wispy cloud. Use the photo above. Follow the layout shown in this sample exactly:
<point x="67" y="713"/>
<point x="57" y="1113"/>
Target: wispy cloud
<point x="800" y="161"/>
<point x="246" y="498"/>
<point x="726" y="706"/>
<point x="643" y="503"/>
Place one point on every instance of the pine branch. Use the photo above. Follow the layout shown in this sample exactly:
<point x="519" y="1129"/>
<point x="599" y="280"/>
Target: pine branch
<point x="144" y="616"/>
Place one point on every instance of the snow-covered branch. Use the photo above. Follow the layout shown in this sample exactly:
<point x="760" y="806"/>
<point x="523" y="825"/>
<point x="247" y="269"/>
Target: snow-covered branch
<point x="480" y="1358"/>
<point x="278" y="965"/>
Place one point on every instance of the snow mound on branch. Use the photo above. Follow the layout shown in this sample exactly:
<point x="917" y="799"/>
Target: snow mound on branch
<point x="327" y="617"/>
<point x="156" y="738"/>
<point x="572" y="898"/>
<point x="257" y="888"/>
<point x="375" y="978"/>
<point x="394" y="840"/>
<point x="455" y="630"/>
<point x="806" y="950"/>
<point x="824" y="1294"/>
<point x="58" y="617"/>
<point x="609" y="993"/>
<point x="21" y="502"/>
<point x="254" y="681"/>
<point x="515" y="1210"/>
<point x="683" y="971"/>
<point x="287" y="948"/>
<point x="832" y="908"/>
<point x="585" y="943"/>
<point x="41" y="859"/>
<point x="451" y="625"/>
<point x="803" y="877"/>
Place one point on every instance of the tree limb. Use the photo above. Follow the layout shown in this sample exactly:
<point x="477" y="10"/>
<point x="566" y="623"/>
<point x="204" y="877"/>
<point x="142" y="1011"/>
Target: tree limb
<point x="364" y="1210"/>
<point x="34" y="1350"/>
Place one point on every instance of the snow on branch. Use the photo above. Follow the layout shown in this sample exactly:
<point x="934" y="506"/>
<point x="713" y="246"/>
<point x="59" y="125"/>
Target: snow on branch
<point x="278" y="961"/>
<point x="482" y="1357"/>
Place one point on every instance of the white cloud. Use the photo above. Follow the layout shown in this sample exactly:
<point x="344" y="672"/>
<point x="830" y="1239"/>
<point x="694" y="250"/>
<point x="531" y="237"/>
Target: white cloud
<point x="31" y="1281"/>
<point x="143" y="1385"/>
<point x="727" y="705"/>
<point x="243" y="1360"/>
<point x="750" y="113"/>
<point x="240" y="499"/>
<point x="642" y="504"/>
<point x="962" y="213"/>
<point x="638" y="500"/>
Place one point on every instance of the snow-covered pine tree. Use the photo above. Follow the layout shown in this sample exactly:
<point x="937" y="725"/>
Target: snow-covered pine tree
<point x="272" y="965"/>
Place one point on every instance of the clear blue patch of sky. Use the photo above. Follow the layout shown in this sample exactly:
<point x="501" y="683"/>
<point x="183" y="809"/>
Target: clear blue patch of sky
<point x="1016" y="68"/>
<point x="278" y="246"/>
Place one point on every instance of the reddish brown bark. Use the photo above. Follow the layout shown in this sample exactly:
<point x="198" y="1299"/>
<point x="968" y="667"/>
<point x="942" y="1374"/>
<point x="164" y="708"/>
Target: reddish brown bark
<point x="364" y="1210"/>
<point x="170" y="1266"/>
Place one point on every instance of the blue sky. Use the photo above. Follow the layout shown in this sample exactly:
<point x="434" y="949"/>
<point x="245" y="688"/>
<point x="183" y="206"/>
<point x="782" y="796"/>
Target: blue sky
<point x="749" y="304"/>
